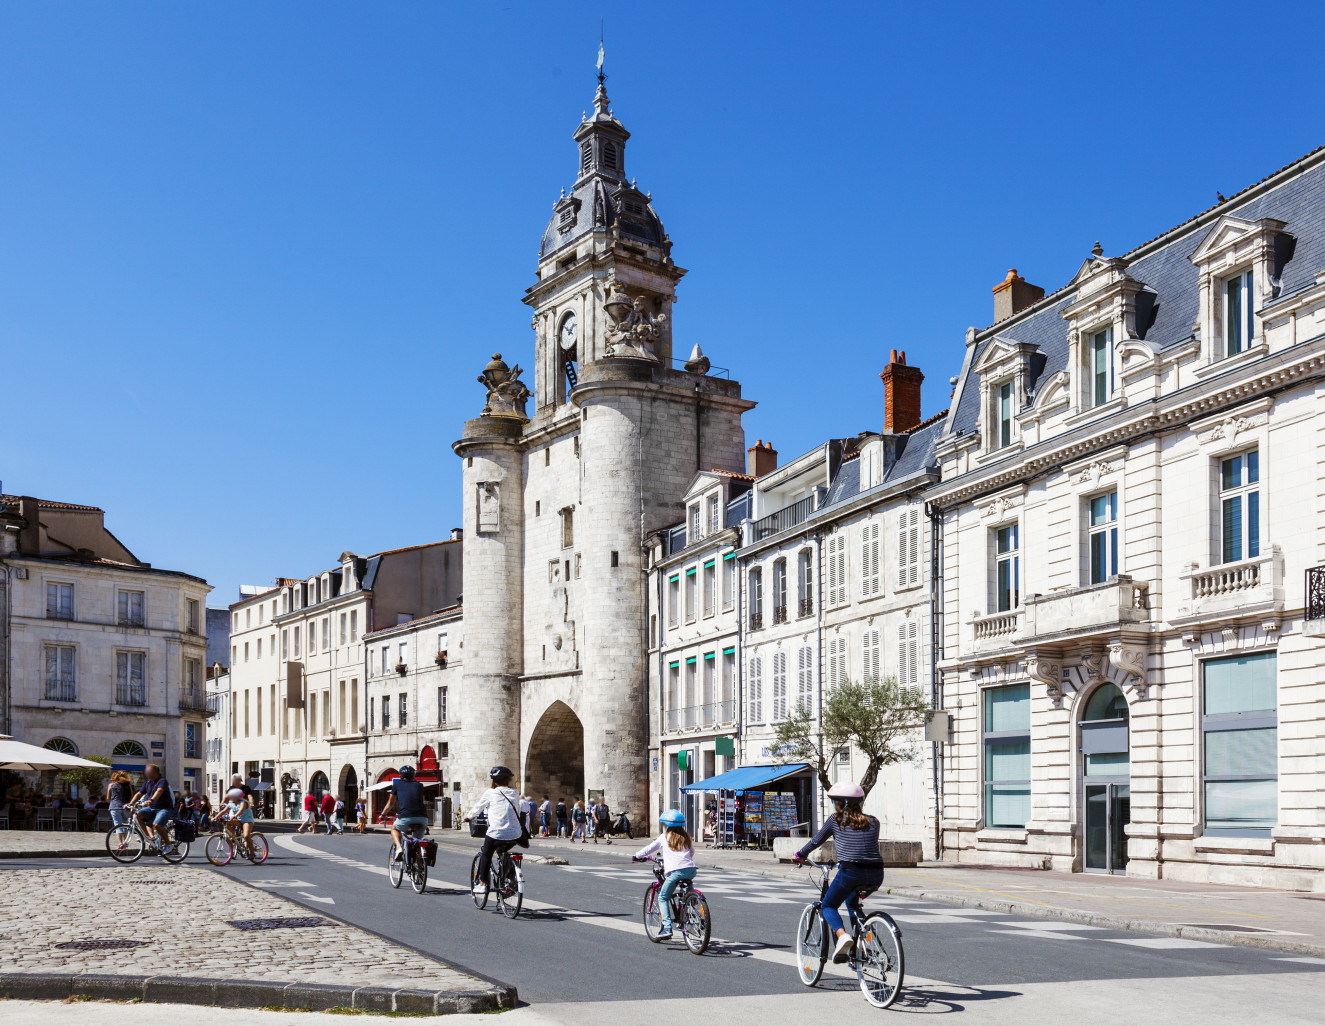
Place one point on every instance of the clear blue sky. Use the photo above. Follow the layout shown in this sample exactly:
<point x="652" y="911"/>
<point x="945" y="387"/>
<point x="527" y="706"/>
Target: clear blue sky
<point x="253" y="256"/>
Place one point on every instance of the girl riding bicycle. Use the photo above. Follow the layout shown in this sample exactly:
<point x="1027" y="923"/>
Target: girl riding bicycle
<point x="859" y="867"/>
<point x="238" y="810"/>
<point x="678" y="856"/>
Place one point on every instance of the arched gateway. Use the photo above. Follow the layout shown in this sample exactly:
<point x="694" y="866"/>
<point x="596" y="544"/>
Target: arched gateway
<point x="554" y="761"/>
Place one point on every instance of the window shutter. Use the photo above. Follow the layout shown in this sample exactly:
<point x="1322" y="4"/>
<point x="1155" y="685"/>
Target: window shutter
<point x="805" y="678"/>
<point x="908" y="548"/>
<point x="779" y="685"/>
<point x="756" y="690"/>
<point x="913" y="652"/>
<point x="869" y="560"/>
<point x="869" y="669"/>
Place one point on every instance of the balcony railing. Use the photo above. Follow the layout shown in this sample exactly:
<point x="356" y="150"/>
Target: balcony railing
<point x="130" y="694"/>
<point x="997" y="629"/>
<point x="695" y="717"/>
<point x="756" y="621"/>
<point x="806" y="607"/>
<point x="1315" y="593"/>
<point x="784" y="519"/>
<point x="780" y="614"/>
<point x="61" y="690"/>
<point x="131" y="621"/>
<point x="197" y="700"/>
<point x="1249" y="586"/>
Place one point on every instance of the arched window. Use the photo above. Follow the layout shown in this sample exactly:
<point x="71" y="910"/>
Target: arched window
<point x="1106" y="702"/>
<point x="129" y="748"/>
<point x="61" y="744"/>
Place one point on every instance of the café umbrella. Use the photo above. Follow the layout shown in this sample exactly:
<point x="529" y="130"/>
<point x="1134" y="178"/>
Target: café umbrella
<point x="17" y="755"/>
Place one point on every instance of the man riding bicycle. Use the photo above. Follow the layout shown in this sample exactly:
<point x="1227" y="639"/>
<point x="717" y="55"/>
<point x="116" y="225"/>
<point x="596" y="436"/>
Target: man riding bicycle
<point x="503" y="822"/>
<point x="156" y="809"/>
<point x="406" y="801"/>
<point x="859" y="866"/>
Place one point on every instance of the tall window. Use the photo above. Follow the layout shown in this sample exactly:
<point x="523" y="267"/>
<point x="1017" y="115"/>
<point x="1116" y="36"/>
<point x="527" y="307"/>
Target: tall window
<point x="1240" y="737"/>
<point x="715" y="522"/>
<point x="60" y="601"/>
<point x="130" y="678"/>
<point x="404" y="710"/>
<point x="908" y="547"/>
<point x="258" y="706"/>
<point x="1103" y="537"/>
<point x="728" y="580"/>
<point x="386" y="658"/>
<point x="312" y="637"/>
<point x="343" y="629"/>
<point x="908" y="653"/>
<point x="756" y="598"/>
<point x="1238" y="316"/>
<point x="710" y="587"/>
<point x="386" y="712"/>
<point x="61" y="682"/>
<point x="1007" y="569"/>
<point x="192" y="616"/>
<point x="296" y="642"/>
<point x="567" y="527"/>
<point x="688" y="700"/>
<point x="326" y="633"/>
<point x="192" y="674"/>
<point x="805" y="679"/>
<point x="259" y="648"/>
<point x="709" y="683"/>
<point x="674" y="692"/>
<point x="837" y="661"/>
<point x="837" y="568"/>
<point x="1007" y="761"/>
<point x="805" y="583"/>
<point x="692" y="524"/>
<point x="1099" y="354"/>
<point x="441" y="707"/>
<point x="779" y="686"/>
<point x="779" y="591"/>
<point x="870" y="582"/>
<point x="400" y="658"/>
<point x="728" y="710"/>
<point x="1240" y="507"/>
<point x="354" y="625"/>
<point x="755" y="699"/>
<point x="1004" y="414"/>
<point x="871" y="666"/>
<point x="312" y="714"/>
<point x="673" y="598"/>
<point x="246" y="651"/>
<point x="692" y="591"/>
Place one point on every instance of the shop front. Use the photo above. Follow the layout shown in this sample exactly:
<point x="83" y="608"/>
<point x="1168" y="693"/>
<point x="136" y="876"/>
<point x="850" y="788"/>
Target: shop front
<point x="752" y="805"/>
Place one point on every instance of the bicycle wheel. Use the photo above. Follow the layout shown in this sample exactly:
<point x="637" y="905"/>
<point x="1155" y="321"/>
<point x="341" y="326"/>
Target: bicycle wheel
<point x="175" y="851"/>
<point x="418" y="870"/>
<point x="811" y="946"/>
<point x="880" y="964"/>
<point x="652" y="914"/>
<point x="395" y="866"/>
<point x="257" y="849"/>
<point x="696" y="923"/>
<point x="218" y="850"/>
<point x="480" y="900"/>
<point x="510" y="890"/>
<point x="125" y="844"/>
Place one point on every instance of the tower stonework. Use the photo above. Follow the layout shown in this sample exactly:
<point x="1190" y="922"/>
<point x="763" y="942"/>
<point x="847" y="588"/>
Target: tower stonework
<point x="555" y="610"/>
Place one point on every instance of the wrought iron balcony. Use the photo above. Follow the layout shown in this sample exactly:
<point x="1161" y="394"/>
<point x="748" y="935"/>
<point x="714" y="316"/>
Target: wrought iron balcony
<point x="780" y="614"/>
<point x="197" y="700"/>
<point x="806" y="607"/>
<point x="61" y="689"/>
<point x="701" y="717"/>
<point x="1315" y="593"/>
<point x="784" y="519"/>
<point x="130" y="694"/>
<point x="756" y="621"/>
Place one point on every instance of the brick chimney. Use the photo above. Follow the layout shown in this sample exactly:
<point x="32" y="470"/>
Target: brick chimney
<point x="760" y="459"/>
<point x="1012" y="295"/>
<point x="901" y="395"/>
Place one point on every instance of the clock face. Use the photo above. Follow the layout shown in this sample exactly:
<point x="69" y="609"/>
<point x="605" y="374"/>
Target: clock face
<point x="569" y="333"/>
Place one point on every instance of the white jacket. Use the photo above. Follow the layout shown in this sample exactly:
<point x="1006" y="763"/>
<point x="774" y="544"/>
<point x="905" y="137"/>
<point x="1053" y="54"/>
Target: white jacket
<point x="672" y="860"/>
<point x="503" y="824"/>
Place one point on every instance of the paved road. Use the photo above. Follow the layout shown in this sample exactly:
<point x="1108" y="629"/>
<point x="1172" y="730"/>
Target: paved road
<point x="580" y="941"/>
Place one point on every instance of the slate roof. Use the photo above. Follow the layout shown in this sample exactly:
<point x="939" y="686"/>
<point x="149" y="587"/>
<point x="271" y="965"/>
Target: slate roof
<point x="1295" y="194"/>
<point x="917" y="457"/>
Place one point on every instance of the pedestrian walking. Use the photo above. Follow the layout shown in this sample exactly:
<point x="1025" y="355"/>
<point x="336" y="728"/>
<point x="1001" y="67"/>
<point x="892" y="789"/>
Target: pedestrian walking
<point x="340" y="817"/>
<point x="328" y="810"/>
<point x="602" y="821"/>
<point x="563" y="827"/>
<point x="310" y="814"/>
<point x="579" y="818"/>
<point x="544" y="815"/>
<point x="361" y="814"/>
<point x="119" y="791"/>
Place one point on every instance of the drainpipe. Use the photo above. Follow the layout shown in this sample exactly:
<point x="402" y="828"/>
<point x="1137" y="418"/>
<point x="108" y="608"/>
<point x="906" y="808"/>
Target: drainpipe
<point x="363" y="786"/>
<point x="935" y="518"/>
<point x="819" y="644"/>
<point x="740" y="655"/>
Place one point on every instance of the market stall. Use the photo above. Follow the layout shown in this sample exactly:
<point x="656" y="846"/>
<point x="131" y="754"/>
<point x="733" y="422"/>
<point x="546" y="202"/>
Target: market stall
<point x="758" y="803"/>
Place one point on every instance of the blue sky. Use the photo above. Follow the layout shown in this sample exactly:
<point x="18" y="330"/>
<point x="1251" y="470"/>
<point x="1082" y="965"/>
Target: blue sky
<point x="253" y="256"/>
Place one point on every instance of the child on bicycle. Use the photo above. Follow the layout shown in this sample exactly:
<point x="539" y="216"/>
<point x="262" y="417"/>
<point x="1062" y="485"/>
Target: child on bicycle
<point x="239" y="811"/>
<point x="678" y="858"/>
<point x="859" y="866"/>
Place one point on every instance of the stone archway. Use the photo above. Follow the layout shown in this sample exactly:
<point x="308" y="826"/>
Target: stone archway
<point x="554" y="760"/>
<point x="349" y="787"/>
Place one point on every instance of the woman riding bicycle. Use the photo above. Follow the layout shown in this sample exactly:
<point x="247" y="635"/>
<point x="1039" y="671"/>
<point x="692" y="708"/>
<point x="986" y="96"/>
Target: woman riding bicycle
<point x="678" y="853"/>
<point x="239" y="811"/>
<point x="503" y="815"/>
<point x="859" y="866"/>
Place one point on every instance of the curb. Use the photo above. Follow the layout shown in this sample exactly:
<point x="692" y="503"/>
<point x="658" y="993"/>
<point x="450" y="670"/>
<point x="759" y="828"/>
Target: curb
<point x="64" y="853"/>
<point x="251" y="993"/>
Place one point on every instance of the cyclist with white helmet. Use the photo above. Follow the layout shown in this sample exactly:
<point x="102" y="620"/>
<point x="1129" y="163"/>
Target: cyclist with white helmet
<point x="239" y="811"/>
<point x="859" y="866"/>
<point x="678" y="858"/>
<point x="503" y="815"/>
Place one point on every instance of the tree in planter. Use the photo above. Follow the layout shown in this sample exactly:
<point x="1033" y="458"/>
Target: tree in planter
<point x="94" y="780"/>
<point x="879" y="717"/>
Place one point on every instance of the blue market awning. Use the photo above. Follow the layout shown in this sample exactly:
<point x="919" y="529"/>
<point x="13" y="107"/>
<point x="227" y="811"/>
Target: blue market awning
<point x="747" y="778"/>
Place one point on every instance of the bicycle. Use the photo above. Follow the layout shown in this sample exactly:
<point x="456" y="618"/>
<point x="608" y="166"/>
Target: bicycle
<point x="876" y="955"/>
<point x="221" y="847"/>
<point x="412" y="860"/>
<point x="126" y="842"/>
<point x="505" y="880"/>
<point x="690" y="910"/>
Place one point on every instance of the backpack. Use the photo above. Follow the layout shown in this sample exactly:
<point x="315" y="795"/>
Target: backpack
<point x="561" y="810"/>
<point x="602" y="814"/>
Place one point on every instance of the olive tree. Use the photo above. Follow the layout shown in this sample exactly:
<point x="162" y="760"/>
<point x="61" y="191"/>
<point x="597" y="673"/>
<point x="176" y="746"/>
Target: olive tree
<point x="879" y="717"/>
<point x="94" y="780"/>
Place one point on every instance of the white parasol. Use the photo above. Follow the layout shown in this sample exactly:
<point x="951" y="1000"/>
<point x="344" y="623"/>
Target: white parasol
<point x="17" y="755"/>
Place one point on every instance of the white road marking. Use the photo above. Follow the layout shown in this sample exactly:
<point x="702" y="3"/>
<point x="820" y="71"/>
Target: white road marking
<point x="280" y="884"/>
<point x="929" y="917"/>
<point x="1038" y="934"/>
<point x="1161" y="942"/>
<point x="319" y="898"/>
<point x="1305" y="959"/>
<point x="1047" y="925"/>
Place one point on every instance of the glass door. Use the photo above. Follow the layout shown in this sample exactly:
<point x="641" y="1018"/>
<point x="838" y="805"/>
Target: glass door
<point x="1108" y="811"/>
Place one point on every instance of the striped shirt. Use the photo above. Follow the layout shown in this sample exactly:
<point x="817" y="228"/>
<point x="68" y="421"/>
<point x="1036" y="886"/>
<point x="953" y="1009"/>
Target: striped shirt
<point x="850" y="845"/>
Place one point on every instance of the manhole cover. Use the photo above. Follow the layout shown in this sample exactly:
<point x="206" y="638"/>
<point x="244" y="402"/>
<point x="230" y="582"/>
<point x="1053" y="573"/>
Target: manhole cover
<point x="154" y="883"/>
<point x="288" y="923"/>
<point x="101" y="944"/>
<point x="1228" y="928"/>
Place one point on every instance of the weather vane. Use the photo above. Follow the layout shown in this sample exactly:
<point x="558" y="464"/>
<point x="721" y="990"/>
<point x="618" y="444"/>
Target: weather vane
<point x="601" y="76"/>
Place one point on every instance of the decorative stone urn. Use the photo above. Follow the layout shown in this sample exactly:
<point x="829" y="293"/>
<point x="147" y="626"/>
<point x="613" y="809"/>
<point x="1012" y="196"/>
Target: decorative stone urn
<point x="506" y="392"/>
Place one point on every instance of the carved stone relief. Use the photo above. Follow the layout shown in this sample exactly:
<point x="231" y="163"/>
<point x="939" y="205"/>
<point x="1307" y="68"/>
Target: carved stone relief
<point x="489" y="507"/>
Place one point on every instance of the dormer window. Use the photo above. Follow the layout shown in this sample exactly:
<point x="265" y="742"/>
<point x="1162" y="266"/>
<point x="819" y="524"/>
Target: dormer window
<point x="1099" y="367"/>
<point x="1239" y="326"/>
<point x="1003" y="414"/>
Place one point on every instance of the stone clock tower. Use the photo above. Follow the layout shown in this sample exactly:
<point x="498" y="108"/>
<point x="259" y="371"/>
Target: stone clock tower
<point x="558" y="501"/>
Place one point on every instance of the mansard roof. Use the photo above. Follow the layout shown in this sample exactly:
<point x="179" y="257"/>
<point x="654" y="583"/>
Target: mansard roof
<point x="917" y="456"/>
<point x="1295" y="195"/>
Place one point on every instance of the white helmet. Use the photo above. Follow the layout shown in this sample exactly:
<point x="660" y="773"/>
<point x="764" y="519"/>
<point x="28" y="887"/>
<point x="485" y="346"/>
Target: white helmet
<point x="235" y="794"/>
<point x="846" y="789"/>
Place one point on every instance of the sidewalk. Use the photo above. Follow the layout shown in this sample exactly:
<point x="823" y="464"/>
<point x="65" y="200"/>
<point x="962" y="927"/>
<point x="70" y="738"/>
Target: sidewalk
<point x="1291" y="921"/>
<point x="180" y="934"/>
<point x="51" y="844"/>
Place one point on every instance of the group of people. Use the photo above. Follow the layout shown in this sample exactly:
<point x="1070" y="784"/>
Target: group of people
<point x="577" y="822"/>
<point x="329" y="812"/>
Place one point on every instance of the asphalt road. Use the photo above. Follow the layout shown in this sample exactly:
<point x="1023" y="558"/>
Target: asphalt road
<point x="580" y="940"/>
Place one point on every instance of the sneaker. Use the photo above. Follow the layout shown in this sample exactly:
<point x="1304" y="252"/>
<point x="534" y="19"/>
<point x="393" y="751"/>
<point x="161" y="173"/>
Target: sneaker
<point x="843" y="948"/>
<point x="480" y="889"/>
<point x="665" y="934"/>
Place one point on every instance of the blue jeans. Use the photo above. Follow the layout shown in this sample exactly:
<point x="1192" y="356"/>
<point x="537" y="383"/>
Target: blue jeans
<point x="666" y="891"/>
<point x="119" y="817"/>
<point x="851" y="879"/>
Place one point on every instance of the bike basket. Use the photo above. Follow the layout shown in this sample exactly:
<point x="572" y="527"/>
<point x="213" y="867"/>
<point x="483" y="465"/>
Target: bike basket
<point x="478" y="827"/>
<point x="186" y="831"/>
<point x="429" y="852"/>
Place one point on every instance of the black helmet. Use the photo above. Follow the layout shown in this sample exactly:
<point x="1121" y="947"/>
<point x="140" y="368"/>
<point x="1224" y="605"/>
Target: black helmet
<point x="500" y="773"/>
<point x="407" y="772"/>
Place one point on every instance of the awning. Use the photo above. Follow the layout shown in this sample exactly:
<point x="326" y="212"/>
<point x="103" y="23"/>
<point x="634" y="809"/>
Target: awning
<point x="747" y="778"/>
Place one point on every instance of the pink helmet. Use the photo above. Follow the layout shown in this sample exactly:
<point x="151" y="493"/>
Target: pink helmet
<point x="846" y="789"/>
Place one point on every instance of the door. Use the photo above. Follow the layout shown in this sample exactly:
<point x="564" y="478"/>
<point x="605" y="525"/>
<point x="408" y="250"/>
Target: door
<point x="1108" y="811"/>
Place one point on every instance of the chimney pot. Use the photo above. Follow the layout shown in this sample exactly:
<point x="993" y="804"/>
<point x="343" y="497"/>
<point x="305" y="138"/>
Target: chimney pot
<point x="1013" y="295"/>
<point x="761" y="459"/>
<point x="901" y="395"/>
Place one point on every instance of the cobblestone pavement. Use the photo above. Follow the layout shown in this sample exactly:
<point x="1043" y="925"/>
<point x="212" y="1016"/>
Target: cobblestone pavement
<point x="181" y="913"/>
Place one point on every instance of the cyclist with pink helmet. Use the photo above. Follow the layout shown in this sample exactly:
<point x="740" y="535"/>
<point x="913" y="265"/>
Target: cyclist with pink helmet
<point x="859" y="866"/>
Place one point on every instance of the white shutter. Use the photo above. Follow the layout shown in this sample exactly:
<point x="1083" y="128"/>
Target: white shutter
<point x="779" y="686"/>
<point x="869" y="560"/>
<point x="913" y="652"/>
<point x="907" y="654"/>
<point x="836" y="544"/>
<point x="756" y="699"/>
<point x="805" y="678"/>
<point x="869" y="650"/>
<point x="908" y="548"/>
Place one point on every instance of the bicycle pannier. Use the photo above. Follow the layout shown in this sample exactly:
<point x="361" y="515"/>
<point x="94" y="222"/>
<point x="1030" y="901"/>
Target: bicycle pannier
<point x="186" y="831"/>
<point x="478" y="826"/>
<point x="430" y="852"/>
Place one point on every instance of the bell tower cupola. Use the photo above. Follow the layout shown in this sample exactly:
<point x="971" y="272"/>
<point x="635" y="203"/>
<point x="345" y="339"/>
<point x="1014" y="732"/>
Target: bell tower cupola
<point x="602" y="140"/>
